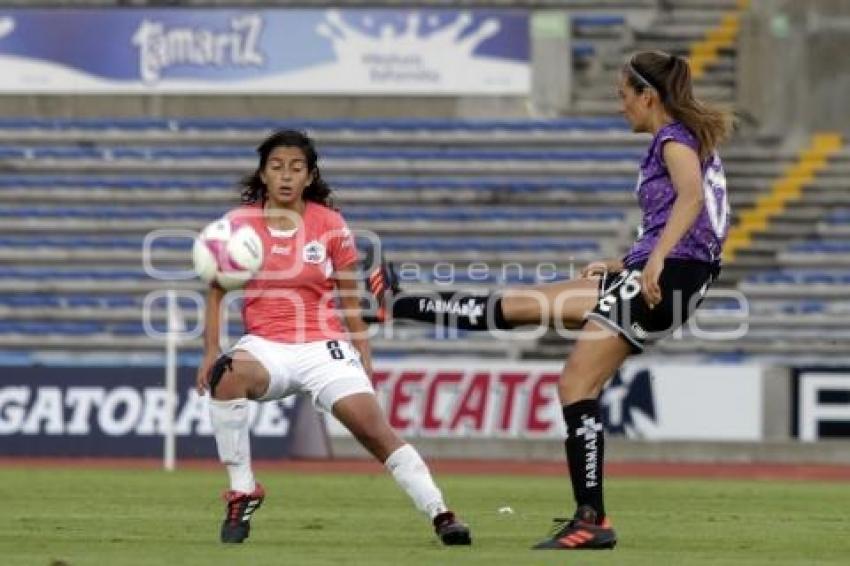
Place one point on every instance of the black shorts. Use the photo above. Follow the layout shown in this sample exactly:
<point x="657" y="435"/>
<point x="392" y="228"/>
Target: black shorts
<point x="621" y="306"/>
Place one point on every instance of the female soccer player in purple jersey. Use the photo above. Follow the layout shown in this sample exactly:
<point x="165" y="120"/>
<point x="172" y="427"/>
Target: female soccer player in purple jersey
<point x="619" y="305"/>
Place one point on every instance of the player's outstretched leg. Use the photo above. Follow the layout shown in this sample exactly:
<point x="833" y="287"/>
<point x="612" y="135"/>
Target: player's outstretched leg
<point x="362" y="416"/>
<point x="566" y="302"/>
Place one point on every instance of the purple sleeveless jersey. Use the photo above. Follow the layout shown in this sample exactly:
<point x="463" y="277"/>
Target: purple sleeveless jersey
<point x="656" y="195"/>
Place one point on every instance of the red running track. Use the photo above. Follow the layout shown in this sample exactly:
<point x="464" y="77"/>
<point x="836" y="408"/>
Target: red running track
<point x="764" y="471"/>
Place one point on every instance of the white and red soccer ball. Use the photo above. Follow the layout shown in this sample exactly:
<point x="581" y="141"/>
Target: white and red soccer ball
<point x="228" y="252"/>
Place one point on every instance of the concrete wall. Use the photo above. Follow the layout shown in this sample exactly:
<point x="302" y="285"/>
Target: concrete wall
<point x="832" y="452"/>
<point x="80" y="106"/>
<point x="793" y="69"/>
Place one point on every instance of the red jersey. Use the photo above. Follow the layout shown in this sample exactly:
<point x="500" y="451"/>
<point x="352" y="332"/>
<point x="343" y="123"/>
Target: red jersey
<point x="292" y="297"/>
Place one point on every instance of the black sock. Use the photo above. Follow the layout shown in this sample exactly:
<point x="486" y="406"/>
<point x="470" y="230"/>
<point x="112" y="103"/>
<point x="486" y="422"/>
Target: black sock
<point x="454" y="309"/>
<point x="585" y="447"/>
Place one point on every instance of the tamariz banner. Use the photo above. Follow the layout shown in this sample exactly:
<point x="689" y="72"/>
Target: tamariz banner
<point x="310" y="51"/>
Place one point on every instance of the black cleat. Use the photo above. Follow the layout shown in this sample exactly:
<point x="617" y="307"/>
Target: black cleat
<point x="240" y="506"/>
<point x="381" y="282"/>
<point x="582" y="532"/>
<point x="451" y="531"/>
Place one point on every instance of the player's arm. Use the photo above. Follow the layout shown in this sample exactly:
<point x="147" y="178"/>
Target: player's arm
<point x="349" y="300"/>
<point x="212" y="322"/>
<point x="686" y="174"/>
<point x="602" y="267"/>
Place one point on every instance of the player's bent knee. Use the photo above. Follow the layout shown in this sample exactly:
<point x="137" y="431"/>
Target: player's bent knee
<point x="223" y="364"/>
<point x="225" y="383"/>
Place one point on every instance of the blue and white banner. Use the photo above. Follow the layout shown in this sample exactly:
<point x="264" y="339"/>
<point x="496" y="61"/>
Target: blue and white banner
<point x="309" y="51"/>
<point x="121" y="411"/>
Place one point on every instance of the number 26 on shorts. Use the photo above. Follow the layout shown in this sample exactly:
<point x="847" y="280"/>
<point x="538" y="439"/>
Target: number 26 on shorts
<point x="628" y="285"/>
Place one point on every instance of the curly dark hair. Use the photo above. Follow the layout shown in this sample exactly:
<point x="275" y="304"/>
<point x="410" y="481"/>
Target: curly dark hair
<point x="253" y="189"/>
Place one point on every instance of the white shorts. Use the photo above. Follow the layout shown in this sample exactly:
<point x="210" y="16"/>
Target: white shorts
<point x="328" y="370"/>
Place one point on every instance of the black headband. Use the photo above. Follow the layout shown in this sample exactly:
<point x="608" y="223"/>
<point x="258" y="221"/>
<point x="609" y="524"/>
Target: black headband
<point x="640" y="76"/>
<point x="646" y="80"/>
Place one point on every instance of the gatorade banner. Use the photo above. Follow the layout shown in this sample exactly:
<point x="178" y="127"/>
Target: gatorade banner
<point x="121" y="412"/>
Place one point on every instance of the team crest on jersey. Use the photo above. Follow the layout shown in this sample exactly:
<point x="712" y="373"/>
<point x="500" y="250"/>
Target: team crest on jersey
<point x="314" y="252"/>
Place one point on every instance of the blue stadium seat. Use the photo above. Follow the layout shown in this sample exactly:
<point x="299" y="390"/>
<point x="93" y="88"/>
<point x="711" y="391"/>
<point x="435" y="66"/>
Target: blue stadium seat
<point x="519" y="185"/>
<point x="801" y="277"/>
<point x="331" y="152"/>
<point x="110" y="242"/>
<point x="46" y="273"/>
<point x="448" y="244"/>
<point x="821" y="246"/>
<point x="50" y="300"/>
<point x="481" y="215"/>
<point x="108" y="211"/>
<point x="841" y="216"/>
<point x="41" y="328"/>
<point x="397" y="124"/>
<point x="30" y="300"/>
<point x="7" y="152"/>
<point x="67" y="152"/>
<point x="598" y="20"/>
<point x="805" y="307"/>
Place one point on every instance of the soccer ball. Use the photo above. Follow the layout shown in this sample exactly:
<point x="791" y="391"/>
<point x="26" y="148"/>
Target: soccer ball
<point x="228" y="252"/>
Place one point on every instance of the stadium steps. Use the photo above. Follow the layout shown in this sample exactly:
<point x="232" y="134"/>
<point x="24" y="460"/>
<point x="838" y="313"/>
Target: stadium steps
<point x="812" y="232"/>
<point x="766" y="346"/>
<point x="434" y="191"/>
<point x="48" y="316"/>
<point x="357" y="166"/>
<point x="247" y="133"/>
<point x="86" y="337"/>
<point x="680" y="26"/>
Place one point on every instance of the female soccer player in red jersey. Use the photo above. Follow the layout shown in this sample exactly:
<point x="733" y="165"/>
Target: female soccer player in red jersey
<point x="295" y="341"/>
<point x="617" y="305"/>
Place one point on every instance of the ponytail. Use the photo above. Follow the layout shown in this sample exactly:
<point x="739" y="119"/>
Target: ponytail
<point x="670" y="76"/>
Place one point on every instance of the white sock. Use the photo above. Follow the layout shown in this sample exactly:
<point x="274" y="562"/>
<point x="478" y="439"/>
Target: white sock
<point x="231" y="425"/>
<point x="411" y="473"/>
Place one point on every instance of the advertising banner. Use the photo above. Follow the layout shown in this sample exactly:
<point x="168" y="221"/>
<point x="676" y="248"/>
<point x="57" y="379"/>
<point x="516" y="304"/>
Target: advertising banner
<point x="468" y="399"/>
<point x="120" y="412"/>
<point x="821" y="403"/>
<point x="310" y="51"/>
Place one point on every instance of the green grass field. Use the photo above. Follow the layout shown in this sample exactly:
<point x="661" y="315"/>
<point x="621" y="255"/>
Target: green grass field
<point x="116" y="518"/>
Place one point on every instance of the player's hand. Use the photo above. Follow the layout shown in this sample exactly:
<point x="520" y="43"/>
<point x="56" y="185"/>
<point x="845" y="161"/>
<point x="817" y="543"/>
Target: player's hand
<point x="600" y="268"/>
<point x="650" y="289"/>
<point x="202" y="379"/>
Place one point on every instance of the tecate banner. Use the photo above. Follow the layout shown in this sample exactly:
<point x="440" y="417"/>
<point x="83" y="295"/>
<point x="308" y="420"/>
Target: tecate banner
<point x="645" y="399"/>
<point x="111" y="411"/>
<point x="310" y="51"/>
